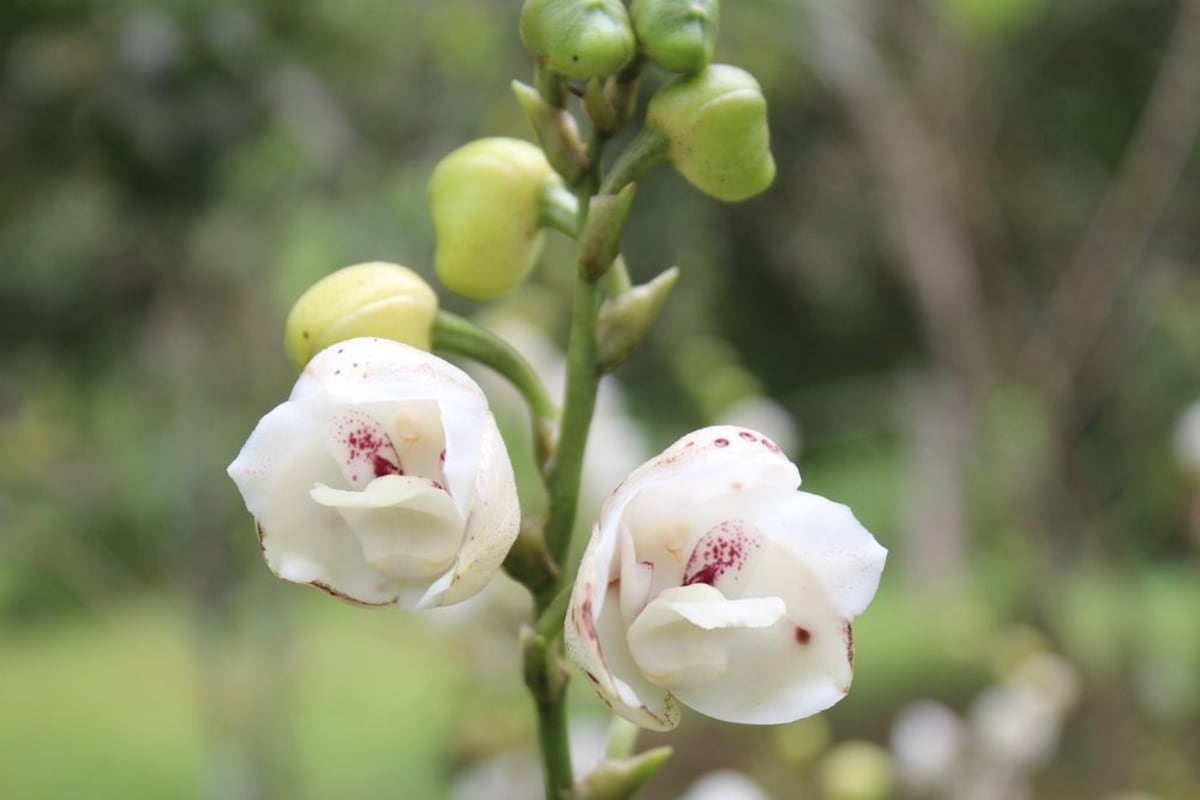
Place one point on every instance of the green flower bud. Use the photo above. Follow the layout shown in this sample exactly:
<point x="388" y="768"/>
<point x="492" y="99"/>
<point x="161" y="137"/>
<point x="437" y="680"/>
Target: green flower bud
<point x="579" y="38"/>
<point x="485" y="199"/>
<point x="715" y="123"/>
<point x="678" y="35"/>
<point x="376" y="299"/>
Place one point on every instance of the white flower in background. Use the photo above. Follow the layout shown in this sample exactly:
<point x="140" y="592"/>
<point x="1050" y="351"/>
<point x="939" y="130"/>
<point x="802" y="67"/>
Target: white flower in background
<point x="1018" y="721"/>
<point x="382" y="479"/>
<point x="928" y="743"/>
<point x="725" y="784"/>
<point x="1052" y="676"/>
<point x="1016" y="725"/>
<point x="1187" y="438"/>
<point x="710" y="581"/>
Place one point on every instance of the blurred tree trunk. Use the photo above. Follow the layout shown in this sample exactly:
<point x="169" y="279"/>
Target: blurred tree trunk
<point x="934" y="255"/>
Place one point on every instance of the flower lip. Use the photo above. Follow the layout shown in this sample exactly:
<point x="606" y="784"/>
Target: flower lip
<point x="778" y="575"/>
<point x="382" y="479"/>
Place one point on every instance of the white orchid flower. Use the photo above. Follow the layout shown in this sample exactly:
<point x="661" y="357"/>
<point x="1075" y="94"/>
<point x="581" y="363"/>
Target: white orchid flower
<point x="711" y="582"/>
<point x="382" y="480"/>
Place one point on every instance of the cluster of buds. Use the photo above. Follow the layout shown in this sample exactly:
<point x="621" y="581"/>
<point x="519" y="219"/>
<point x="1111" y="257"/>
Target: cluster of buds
<point x="709" y="120"/>
<point x="492" y="198"/>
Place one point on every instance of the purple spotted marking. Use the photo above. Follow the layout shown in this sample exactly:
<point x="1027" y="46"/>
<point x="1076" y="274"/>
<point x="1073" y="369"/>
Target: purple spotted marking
<point x="725" y="549"/>
<point x="365" y="444"/>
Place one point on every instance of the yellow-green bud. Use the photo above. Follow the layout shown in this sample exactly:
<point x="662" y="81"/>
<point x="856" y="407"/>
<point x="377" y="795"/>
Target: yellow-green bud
<point x="377" y="299"/>
<point x="678" y="35"/>
<point x="484" y="198"/>
<point x="715" y="123"/>
<point x="579" y="38"/>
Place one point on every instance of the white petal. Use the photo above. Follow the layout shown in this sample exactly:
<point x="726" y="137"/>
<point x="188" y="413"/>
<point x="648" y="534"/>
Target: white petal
<point x="636" y="580"/>
<point x="632" y="696"/>
<point x="408" y="528"/>
<point x="595" y="638"/>
<point x="380" y="370"/>
<point x="673" y="500"/>
<point x="420" y="438"/>
<point x="706" y="463"/>
<point x="491" y="528"/>
<point x="680" y="541"/>
<point x="838" y="552"/>
<point x="302" y="541"/>
<point x="465" y="430"/>
<point x="683" y="637"/>
<point x="798" y="666"/>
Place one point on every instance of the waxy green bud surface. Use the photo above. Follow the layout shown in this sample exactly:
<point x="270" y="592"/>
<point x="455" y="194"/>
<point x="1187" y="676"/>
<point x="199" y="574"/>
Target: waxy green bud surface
<point x="678" y="35"/>
<point x="377" y="299"/>
<point x="484" y="199"/>
<point x="579" y="38"/>
<point x="715" y="123"/>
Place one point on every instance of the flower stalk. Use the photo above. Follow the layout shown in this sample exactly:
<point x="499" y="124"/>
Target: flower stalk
<point x="458" y="335"/>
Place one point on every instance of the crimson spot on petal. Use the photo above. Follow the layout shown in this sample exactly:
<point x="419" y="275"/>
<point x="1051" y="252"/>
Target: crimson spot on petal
<point x="723" y="550"/>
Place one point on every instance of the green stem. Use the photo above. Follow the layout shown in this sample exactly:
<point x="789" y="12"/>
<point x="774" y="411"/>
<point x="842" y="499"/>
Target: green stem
<point x="583" y="377"/>
<point x="550" y="621"/>
<point x="558" y="209"/>
<point x="455" y="334"/>
<point x="647" y="150"/>
<point x="563" y="484"/>
<point x="556" y="747"/>
<point x="547" y="678"/>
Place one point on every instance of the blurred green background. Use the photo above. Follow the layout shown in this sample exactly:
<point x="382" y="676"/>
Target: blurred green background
<point x="973" y="291"/>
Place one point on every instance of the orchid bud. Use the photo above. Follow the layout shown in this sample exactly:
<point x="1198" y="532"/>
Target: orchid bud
<point x="678" y="35"/>
<point x="485" y="199"/>
<point x="374" y="299"/>
<point x="579" y="38"/>
<point x="710" y="582"/>
<point x="715" y="123"/>
<point x="382" y="480"/>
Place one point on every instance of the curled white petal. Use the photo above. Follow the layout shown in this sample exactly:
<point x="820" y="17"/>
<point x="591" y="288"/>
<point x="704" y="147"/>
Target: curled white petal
<point x="684" y="637"/>
<point x="492" y="525"/>
<point x="710" y="581"/>
<point x="382" y="479"/>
